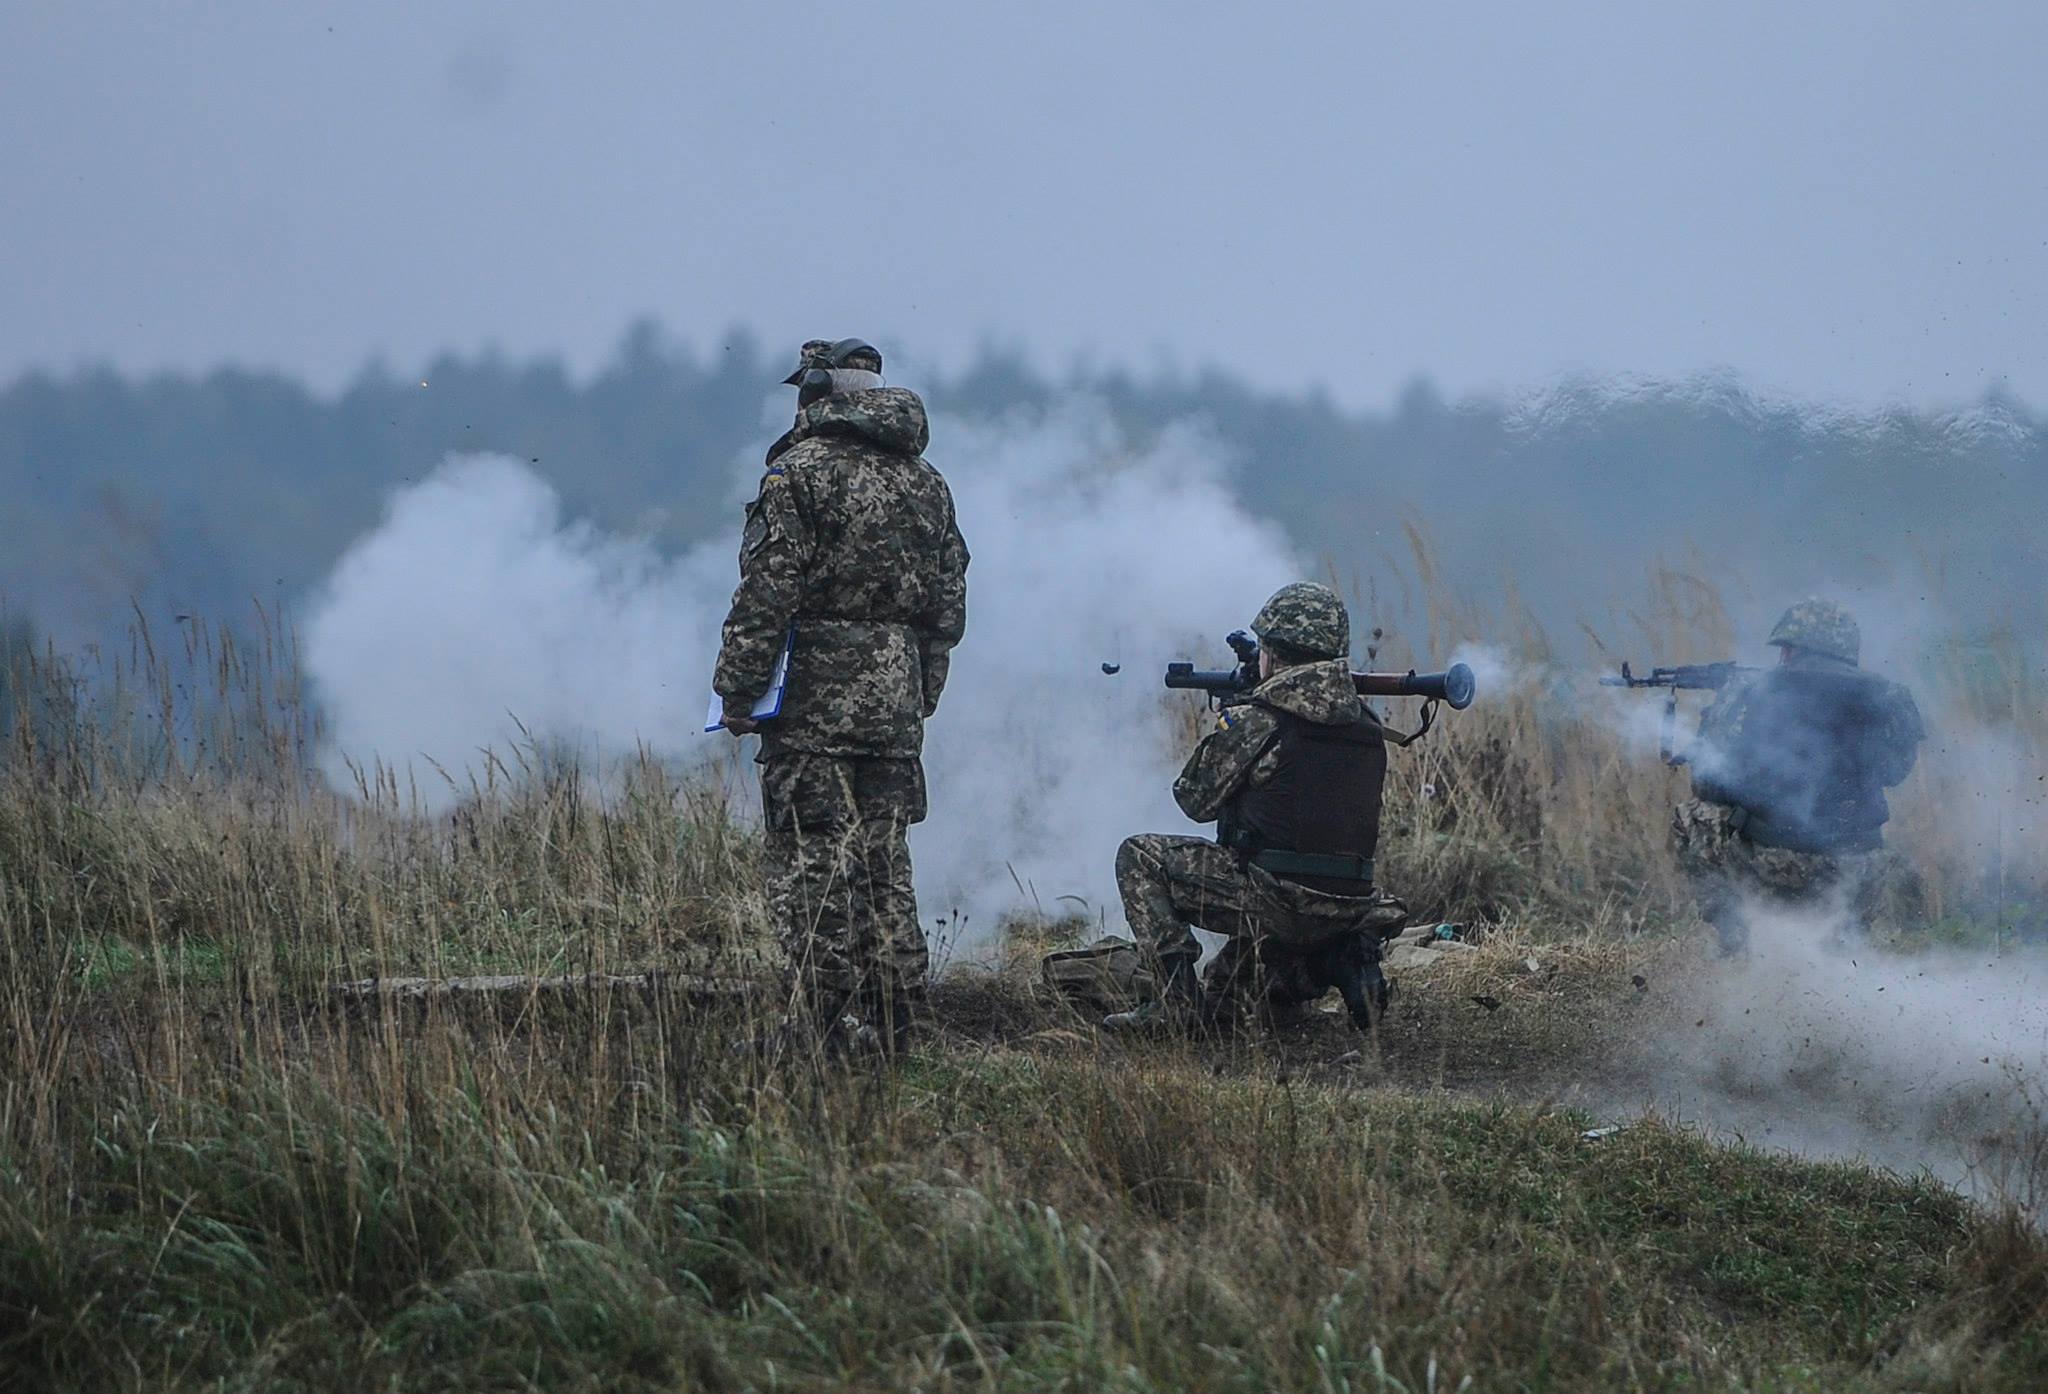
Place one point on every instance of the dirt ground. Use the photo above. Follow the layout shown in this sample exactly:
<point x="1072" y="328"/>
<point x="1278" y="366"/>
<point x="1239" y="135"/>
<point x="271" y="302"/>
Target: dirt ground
<point x="1553" y="1023"/>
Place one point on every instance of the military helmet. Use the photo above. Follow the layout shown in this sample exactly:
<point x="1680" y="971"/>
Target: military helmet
<point x="1822" y="627"/>
<point x="1307" y="618"/>
<point x="834" y="353"/>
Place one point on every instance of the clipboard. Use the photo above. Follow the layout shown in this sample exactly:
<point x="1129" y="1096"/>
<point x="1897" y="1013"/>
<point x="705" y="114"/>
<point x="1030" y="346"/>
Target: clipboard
<point x="769" y="704"/>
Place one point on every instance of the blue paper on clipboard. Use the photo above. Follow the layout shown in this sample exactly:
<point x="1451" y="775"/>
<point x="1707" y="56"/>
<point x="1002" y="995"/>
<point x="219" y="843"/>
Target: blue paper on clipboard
<point x="769" y="704"/>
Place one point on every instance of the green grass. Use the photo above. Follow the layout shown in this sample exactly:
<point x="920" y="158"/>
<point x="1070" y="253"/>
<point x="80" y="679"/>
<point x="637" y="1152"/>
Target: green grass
<point x="105" y="962"/>
<point x="1007" y="1222"/>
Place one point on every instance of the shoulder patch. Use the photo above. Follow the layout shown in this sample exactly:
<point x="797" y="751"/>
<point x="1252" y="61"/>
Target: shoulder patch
<point x="1227" y="720"/>
<point x="774" y="471"/>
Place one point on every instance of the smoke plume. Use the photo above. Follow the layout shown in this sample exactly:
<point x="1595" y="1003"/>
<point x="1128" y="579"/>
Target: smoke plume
<point x="476" y="610"/>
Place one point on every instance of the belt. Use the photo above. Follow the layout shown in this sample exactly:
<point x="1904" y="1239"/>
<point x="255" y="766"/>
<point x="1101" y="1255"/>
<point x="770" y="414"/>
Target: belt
<point x="1332" y="865"/>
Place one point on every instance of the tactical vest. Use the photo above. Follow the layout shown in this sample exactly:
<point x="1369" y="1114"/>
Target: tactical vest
<point x="1317" y="820"/>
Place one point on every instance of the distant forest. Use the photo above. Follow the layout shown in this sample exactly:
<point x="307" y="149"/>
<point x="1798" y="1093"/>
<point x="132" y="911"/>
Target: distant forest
<point x="195" y="495"/>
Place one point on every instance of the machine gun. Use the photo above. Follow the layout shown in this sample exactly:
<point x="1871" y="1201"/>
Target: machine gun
<point x="1231" y="686"/>
<point x="1691" y="677"/>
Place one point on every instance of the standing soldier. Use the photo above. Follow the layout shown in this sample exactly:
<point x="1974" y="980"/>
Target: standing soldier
<point x="1293" y="780"/>
<point x="1788" y="776"/>
<point x="852" y="558"/>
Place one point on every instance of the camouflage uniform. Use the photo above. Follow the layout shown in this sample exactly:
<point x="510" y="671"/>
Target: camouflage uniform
<point x="852" y="543"/>
<point x="1169" y="883"/>
<point x="1728" y="872"/>
<point x="1789" y="772"/>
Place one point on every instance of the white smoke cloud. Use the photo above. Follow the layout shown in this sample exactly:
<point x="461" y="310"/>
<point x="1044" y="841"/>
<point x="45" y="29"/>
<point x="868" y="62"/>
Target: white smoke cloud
<point x="1086" y="551"/>
<point x="475" y="608"/>
<point x="1497" y="674"/>
<point x="475" y="603"/>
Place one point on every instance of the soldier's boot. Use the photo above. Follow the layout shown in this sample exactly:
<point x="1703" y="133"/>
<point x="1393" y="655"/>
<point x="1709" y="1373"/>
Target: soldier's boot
<point x="1365" y="989"/>
<point x="1179" y="1009"/>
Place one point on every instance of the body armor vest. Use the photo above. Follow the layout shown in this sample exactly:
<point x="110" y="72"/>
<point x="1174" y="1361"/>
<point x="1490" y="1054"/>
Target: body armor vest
<point x="1322" y="804"/>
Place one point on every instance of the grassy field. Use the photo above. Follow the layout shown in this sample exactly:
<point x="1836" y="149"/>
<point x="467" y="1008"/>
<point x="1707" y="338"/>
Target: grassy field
<point x="218" y="1172"/>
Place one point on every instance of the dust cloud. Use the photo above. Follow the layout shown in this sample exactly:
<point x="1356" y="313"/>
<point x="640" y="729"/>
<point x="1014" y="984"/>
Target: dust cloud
<point x="1821" y="1044"/>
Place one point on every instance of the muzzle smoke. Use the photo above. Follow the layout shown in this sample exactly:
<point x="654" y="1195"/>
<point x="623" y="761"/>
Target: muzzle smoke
<point x="475" y="616"/>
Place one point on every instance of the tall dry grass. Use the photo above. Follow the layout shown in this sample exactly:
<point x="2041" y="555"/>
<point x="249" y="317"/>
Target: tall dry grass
<point x="216" y="1172"/>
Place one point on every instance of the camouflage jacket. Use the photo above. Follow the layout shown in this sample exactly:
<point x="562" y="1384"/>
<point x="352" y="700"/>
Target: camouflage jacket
<point x="1242" y="752"/>
<point x="853" y="544"/>
<point x="1806" y="752"/>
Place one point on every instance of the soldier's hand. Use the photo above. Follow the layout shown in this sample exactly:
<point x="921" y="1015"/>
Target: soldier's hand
<point x="741" y="725"/>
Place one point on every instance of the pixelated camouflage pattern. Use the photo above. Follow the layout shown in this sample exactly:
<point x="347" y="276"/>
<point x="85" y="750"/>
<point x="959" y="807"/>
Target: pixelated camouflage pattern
<point x="1169" y="883"/>
<point x="852" y="542"/>
<point x="1820" y="626"/>
<point x="1109" y="975"/>
<point x="1280" y="976"/>
<point x="1727" y="871"/>
<point x="1307" y="617"/>
<point x="1242" y="750"/>
<point x="814" y="355"/>
<point x="839" y="876"/>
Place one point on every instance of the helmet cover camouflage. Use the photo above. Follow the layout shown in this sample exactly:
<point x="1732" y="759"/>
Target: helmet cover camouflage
<point x="1822" y="627"/>
<point x="1306" y="617"/>
<point x="835" y="353"/>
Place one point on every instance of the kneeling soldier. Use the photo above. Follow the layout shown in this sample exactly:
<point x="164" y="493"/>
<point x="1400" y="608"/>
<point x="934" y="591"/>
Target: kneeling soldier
<point x="1292" y="777"/>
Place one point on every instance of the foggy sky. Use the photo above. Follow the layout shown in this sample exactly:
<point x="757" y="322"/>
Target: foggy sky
<point x="1843" y="200"/>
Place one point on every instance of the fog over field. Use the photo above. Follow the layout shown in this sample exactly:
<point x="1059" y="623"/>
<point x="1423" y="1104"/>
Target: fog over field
<point x="397" y="990"/>
<point x="1773" y="333"/>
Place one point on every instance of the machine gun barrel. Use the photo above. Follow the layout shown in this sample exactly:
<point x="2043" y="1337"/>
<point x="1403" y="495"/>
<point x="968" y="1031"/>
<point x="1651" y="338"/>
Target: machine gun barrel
<point x="1693" y="677"/>
<point x="1690" y="677"/>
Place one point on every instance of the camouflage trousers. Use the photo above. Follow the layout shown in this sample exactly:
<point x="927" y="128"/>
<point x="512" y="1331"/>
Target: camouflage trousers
<point x="1729" y="874"/>
<point x="838" y="871"/>
<point x="1170" y="883"/>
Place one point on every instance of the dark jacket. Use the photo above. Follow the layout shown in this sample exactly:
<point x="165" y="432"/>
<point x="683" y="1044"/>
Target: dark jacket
<point x="1806" y="753"/>
<point x="1299" y="768"/>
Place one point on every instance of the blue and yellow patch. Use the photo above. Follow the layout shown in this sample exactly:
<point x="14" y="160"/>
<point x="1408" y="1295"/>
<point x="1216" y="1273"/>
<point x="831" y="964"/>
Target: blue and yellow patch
<point x="1227" y="720"/>
<point x="775" y="471"/>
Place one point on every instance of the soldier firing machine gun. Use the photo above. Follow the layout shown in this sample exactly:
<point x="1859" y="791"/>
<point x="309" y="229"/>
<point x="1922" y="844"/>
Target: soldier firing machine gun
<point x="1231" y="686"/>
<point x="1691" y="677"/>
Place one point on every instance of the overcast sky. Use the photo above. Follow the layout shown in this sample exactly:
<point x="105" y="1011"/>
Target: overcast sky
<point x="1847" y="200"/>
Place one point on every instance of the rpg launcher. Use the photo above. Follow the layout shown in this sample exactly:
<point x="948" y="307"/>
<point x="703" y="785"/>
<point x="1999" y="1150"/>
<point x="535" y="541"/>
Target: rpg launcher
<point x="1691" y="677"/>
<point x="1230" y="686"/>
